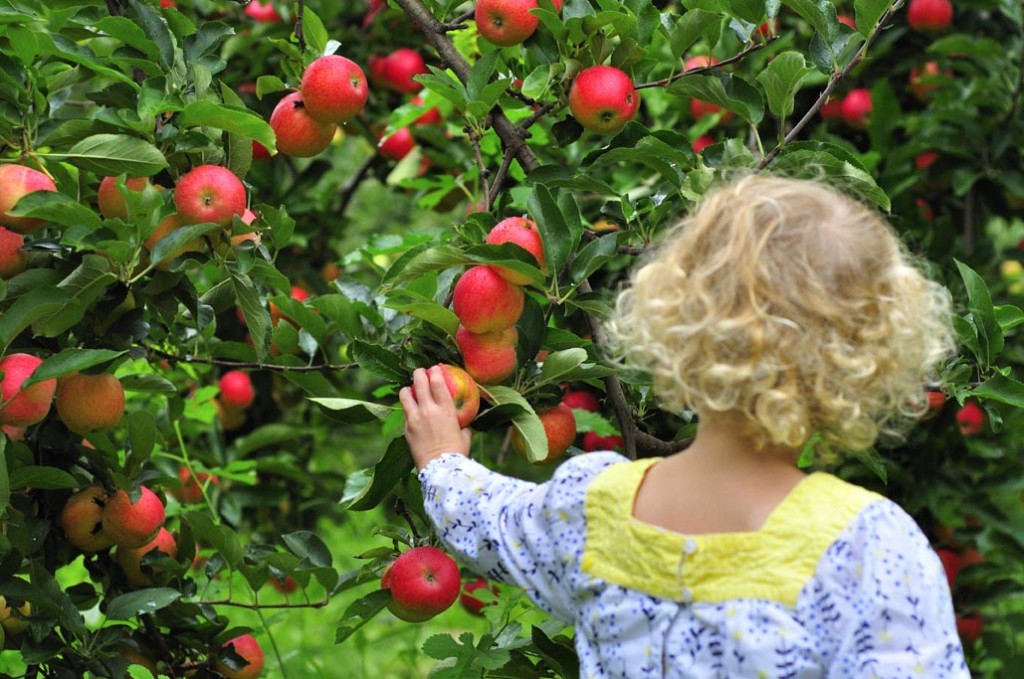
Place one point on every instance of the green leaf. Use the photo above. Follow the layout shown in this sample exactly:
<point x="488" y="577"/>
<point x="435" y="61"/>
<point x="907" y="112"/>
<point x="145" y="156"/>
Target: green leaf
<point x="268" y="84"/>
<point x="822" y="164"/>
<point x="221" y="538"/>
<point x="83" y="286"/>
<point x="560" y="363"/>
<point x="308" y="547"/>
<point x="691" y="27"/>
<point x="234" y="119"/>
<point x="141" y="602"/>
<point x="782" y="79"/>
<point x="557" y="228"/>
<point x="115" y="154"/>
<point x="148" y="383"/>
<point x="868" y="12"/>
<point x="1002" y="389"/>
<point x="820" y="14"/>
<point x="360" y="612"/>
<point x="1009" y="316"/>
<point x="728" y="90"/>
<point x="44" y="478"/>
<point x="130" y="33"/>
<point x="71" y="360"/>
<point x="257" y="317"/>
<point x="751" y="11"/>
<point x="979" y="302"/>
<point x="36" y="304"/>
<point x="593" y="256"/>
<point x="525" y="421"/>
<point x="158" y="31"/>
<point x="142" y="433"/>
<point x="368" y="489"/>
<point x="376" y="409"/>
<point x="57" y="208"/>
<point x="314" y="32"/>
<point x="431" y="312"/>
<point x="379" y="361"/>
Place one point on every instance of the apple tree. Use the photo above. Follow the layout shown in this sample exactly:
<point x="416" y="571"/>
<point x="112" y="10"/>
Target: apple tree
<point x="221" y="288"/>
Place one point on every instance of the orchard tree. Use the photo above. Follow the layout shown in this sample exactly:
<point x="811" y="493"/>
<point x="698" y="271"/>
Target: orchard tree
<point x="230" y="232"/>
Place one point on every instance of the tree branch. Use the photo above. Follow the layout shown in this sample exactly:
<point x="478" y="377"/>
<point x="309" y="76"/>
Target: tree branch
<point x="257" y="607"/>
<point x="499" y="180"/>
<point x="434" y="30"/>
<point x="697" y="71"/>
<point x="459" y="22"/>
<point x="348" y="191"/>
<point x="837" y="77"/>
<point x="252" y="366"/>
<point x="298" y="25"/>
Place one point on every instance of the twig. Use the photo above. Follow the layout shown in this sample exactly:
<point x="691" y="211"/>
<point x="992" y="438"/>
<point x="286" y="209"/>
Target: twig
<point x="503" y="451"/>
<point x="459" y="22"/>
<point x="499" y="179"/>
<point x="837" y="77"/>
<point x="254" y="366"/>
<point x="154" y="633"/>
<point x="348" y="191"/>
<point x="434" y="30"/>
<point x="257" y="607"/>
<point x="474" y="139"/>
<point x="590" y="236"/>
<point x="697" y="71"/>
<point x="403" y="512"/>
<point x="540" y="113"/>
<point x="298" y="25"/>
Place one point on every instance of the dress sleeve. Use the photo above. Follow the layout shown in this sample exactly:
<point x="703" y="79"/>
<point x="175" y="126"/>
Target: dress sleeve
<point x="525" y="534"/>
<point x="883" y="605"/>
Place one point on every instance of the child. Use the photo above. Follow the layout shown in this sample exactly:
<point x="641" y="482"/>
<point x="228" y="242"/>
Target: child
<point x="780" y="308"/>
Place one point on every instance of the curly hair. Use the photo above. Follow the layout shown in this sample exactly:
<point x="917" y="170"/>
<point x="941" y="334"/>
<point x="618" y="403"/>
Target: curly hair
<point x="792" y="305"/>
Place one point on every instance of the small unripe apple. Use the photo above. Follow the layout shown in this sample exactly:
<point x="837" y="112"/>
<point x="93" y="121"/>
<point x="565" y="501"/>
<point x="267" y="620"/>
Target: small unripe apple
<point x="16" y="181"/>
<point x="86" y="403"/>
<point x="856" y="108"/>
<point x="298" y="133"/>
<point x="209" y="193"/>
<point x="12" y="624"/>
<point x="397" y="145"/>
<point x="249" y="649"/>
<point x="130" y="560"/>
<point x="110" y="200"/>
<point x="424" y="581"/>
<point x="559" y="428"/>
<point x="970" y="419"/>
<point x="602" y="99"/>
<point x="485" y="302"/>
<point x="334" y="89"/>
<point x="133" y="525"/>
<point x="930" y="16"/>
<point x="522" y="232"/>
<point x="472" y="604"/>
<point x="191" y="493"/>
<point x="592" y="442"/>
<point x="399" y="69"/>
<point x="489" y="357"/>
<point x="13" y="259"/>
<point x="31" y="405"/>
<point x="464" y="390"/>
<point x="82" y="520"/>
<point x="584" y="400"/>
<point x="236" y="390"/>
<point x="507" y="22"/>
<point x="262" y="12"/>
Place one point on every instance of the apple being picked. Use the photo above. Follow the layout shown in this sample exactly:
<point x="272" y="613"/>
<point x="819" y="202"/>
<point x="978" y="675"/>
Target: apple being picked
<point x="298" y="133"/>
<point x="465" y="393"/>
<point x="248" y="650"/>
<point x="559" y="428"/>
<point x="602" y="99"/>
<point x="334" y="89"/>
<point x="209" y="193"/>
<point x="17" y="181"/>
<point x="424" y="581"/>
<point x="486" y="302"/>
<point x="23" y="408"/>
<point x="522" y="232"/>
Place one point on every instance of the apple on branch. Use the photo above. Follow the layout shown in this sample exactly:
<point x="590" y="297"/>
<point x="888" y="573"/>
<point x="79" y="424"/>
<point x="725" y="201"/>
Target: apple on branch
<point x="209" y="193"/>
<point x="13" y="258"/>
<point x="486" y="302"/>
<point x="524" y="233"/>
<point x="464" y="390"/>
<point x="559" y="428"/>
<point x="133" y="524"/>
<point x="130" y="560"/>
<point x="423" y="581"/>
<point x="86" y="403"/>
<point x="334" y="89"/>
<point x="507" y="22"/>
<point x="23" y="408"/>
<point x="602" y="99"/>
<point x="82" y="520"/>
<point x="490" y="357"/>
<point x="298" y="134"/>
<point x="399" y="69"/>
<point x="17" y="181"/>
<point x="248" y="650"/>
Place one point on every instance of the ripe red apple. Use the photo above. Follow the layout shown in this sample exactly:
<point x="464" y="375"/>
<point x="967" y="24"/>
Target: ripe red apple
<point x="298" y="293"/>
<point x="209" y="193"/>
<point x="522" y="232"/>
<point x="399" y="69"/>
<point x="298" y="133"/>
<point x="431" y="116"/>
<point x="702" y="142"/>
<point x="848" y="20"/>
<point x="929" y="16"/>
<point x="925" y="160"/>
<point x="259" y="151"/>
<point x="190" y="492"/>
<point x="236" y="390"/>
<point x="110" y="200"/>
<point x="856" y="108"/>
<point x="951" y="563"/>
<point x="926" y="79"/>
<point x="970" y="626"/>
<point x="465" y="393"/>
<point x="485" y="302"/>
<point x="130" y="560"/>
<point x="584" y="400"/>
<point x="82" y="520"/>
<point x="832" y="109"/>
<point x="397" y="145"/>
<point x="602" y="99"/>
<point x="471" y="603"/>
<point x="559" y="428"/>
<point x="286" y="586"/>
<point x="698" y="107"/>
<point x="249" y="649"/>
<point x="489" y="357"/>
<point x="164" y="4"/>
<point x="262" y="12"/>
<point x="86" y="403"/>
<point x="971" y="419"/>
<point x="971" y="557"/>
<point x="507" y="22"/>
<point x="17" y="181"/>
<point x="334" y="89"/>
<point x="936" y="399"/>
<point x="592" y="442"/>
<point x="13" y="259"/>
<point x="31" y="405"/>
<point x="424" y="581"/>
<point x="375" y="8"/>
<point x="133" y="525"/>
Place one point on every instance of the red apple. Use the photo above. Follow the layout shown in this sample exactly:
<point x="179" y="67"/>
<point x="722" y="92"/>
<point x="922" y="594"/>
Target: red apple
<point x="110" y="200"/>
<point x="286" y="586"/>
<point x="970" y="626"/>
<point x="236" y="390"/>
<point x="86" y="403"/>
<point x="132" y="525"/>
<point x="522" y="232"/>
<point x="698" y="107"/>
<point x="82" y="520"/>
<point x="13" y="259"/>
<point x="23" y="408"/>
<point x="925" y="160"/>
<point x="936" y="399"/>
<point x="485" y="302"/>
<point x="584" y="400"/>
<point x="929" y="16"/>
<point x="971" y="419"/>
<point x="262" y="12"/>
<point x="298" y="133"/>
<point x="299" y="294"/>
<point x="14" y="433"/>
<point x="848" y="20"/>
<point x="334" y="89"/>
<point x="471" y="603"/>
<point x="431" y="116"/>
<point x="259" y="151"/>
<point x="17" y="181"/>
<point x="507" y="22"/>
<point x="971" y="557"/>
<point x="209" y="193"/>
<point x="249" y="649"/>
<point x="164" y="4"/>
<point x="464" y="390"/>
<point x="490" y="358"/>
<point x="191" y="493"/>
<point x="424" y="581"/>
<point x="559" y="428"/>
<point x="856" y="108"/>
<point x="592" y="442"/>
<point x="602" y="99"/>
<point x="399" y="69"/>
<point x="130" y="560"/>
<point x="702" y="142"/>
<point x="926" y="79"/>
<point x="397" y="145"/>
<point x="832" y="110"/>
<point x="951" y="563"/>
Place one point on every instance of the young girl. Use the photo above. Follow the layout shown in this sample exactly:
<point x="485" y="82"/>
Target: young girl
<point x="780" y="308"/>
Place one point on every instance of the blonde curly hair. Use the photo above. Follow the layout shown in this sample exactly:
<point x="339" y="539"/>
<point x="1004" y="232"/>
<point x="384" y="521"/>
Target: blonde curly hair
<point x="793" y="306"/>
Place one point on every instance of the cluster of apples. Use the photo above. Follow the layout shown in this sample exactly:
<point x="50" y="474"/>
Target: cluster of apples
<point x="333" y="91"/>
<point x="17" y="181"/>
<point x="580" y="399"/>
<point x="969" y="625"/>
<point x="397" y="72"/>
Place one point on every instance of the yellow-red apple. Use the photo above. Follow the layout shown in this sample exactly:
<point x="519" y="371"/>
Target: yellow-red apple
<point x="130" y="560"/>
<point x="110" y="200"/>
<point x="17" y="181"/>
<point x="559" y="428"/>
<point x="82" y="520"/>
<point x="298" y="133"/>
<point x="465" y="392"/>
<point x="485" y="302"/>
<point x="86" y="403"/>
<point x="13" y="259"/>
<point x="209" y="193"/>
<point x="522" y="232"/>
<point x="132" y="525"/>
<point x="489" y="357"/>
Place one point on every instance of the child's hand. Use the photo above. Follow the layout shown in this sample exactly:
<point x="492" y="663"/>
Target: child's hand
<point x="431" y="425"/>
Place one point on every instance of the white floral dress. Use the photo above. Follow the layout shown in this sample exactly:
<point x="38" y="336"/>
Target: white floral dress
<point x="839" y="582"/>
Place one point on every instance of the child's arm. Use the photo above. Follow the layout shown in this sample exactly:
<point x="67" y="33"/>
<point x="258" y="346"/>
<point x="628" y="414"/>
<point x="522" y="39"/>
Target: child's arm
<point x="431" y="425"/>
